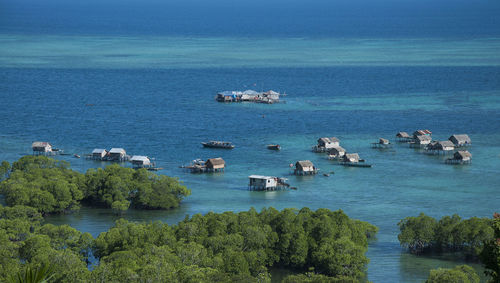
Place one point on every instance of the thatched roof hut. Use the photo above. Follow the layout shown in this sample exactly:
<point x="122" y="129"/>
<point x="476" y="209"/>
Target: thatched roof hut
<point x="351" y="157"/>
<point x="383" y="141"/>
<point x="442" y="145"/>
<point x="336" y="151"/>
<point x="403" y="135"/>
<point x="328" y="142"/>
<point x="215" y="163"/>
<point x="423" y="140"/>
<point x="304" y="166"/>
<point x="463" y="155"/>
<point x="460" y="140"/>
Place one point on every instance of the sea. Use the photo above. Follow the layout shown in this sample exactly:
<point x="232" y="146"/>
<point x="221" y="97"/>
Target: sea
<point x="142" y="75"/>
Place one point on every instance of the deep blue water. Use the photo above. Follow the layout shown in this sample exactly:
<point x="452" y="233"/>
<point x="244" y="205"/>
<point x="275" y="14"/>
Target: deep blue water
<point x="356" y="70"/>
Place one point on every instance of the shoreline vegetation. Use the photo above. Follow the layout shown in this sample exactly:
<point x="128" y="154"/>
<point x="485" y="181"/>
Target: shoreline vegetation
<point x="477" y="239"/>
<point x="52" y="187"/>
<point x="316" y="246"/>
<point x="324" y="245"/>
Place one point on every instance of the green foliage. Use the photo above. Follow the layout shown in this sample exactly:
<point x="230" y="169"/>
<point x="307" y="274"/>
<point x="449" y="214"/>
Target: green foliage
<point x="51" y="187"/>
<point x="118" y="188"/>
<point x="451" y="233"/>
<point x="43" y="183"/>
<point x="234" y="246"/>
<point x="4" y="170"/>
<point x="26" y="246"/>
<point x="311" y="277"/>
<point x="459" y="274"/>
<point x="16" y="225"/>
<point x="225" y="247"/>
<point x="41" y="274"/>
<point x="490" y="255"/>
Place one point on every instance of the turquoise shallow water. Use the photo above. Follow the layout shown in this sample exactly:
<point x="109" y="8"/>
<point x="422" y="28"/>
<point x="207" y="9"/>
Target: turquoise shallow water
<point x="358" y="70"/>
<point x="166" y="113"/>
<point x="55" y="51"/>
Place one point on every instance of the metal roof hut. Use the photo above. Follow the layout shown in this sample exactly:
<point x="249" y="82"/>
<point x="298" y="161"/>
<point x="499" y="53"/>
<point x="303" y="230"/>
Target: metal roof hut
<point x="305" y="167"/>
<point x="215" y="164"/>
<point x="139" y="161"/>
<point x="99" y="153"/>
<point x="421" y="141"/>
<point x="460" y="157"/>
<point x="460" y="140"/>
<point x="422" y="133"/>
<point x="266" y="183"/>
<point x="350" y="158"/>
<point x="117" y="154"/>
<point x="271" y="94"/>
<point x="41" y="148"/>
<point x="249" y="95"/>
<point x="336" y="152"/>
<point x="326" y="143"/>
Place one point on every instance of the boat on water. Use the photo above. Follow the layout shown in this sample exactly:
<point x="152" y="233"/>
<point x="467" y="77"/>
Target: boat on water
<point x="218" y="144"/>
<point x="274" y="147"/>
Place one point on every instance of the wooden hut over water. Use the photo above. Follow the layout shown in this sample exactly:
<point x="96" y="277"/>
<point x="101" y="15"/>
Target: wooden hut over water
<point x="139" y="161"/>
<point x="420" y="141"/>
<point x="460" y="140"/>
<point x="336" y="152"/>
<point x="266" y="183"/>
<point x="324" y="144"/>
<point x="382" y="143"/>
<point x="353" y="160"/>
<point x="117" y="154"/>
<point x="215" y="164"/>
<point x="440" y="147"/>
<point x="98" y="154"/>
<point x="210" y="165"/>
<point x="403" y="137"/>
<point x="41" y="148"/>
<point x="305" y="167"/>
<point x="460" y="157"/>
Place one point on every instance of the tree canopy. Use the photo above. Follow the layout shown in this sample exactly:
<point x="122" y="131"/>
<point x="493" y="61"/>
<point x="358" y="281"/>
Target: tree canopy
<point x="451" y="233"/>
<point x="237" y="245"/>
<point x="490" y="255"/>
<point x="43" y="183"/>
<point x="51" y="187"/>
<point x="216" y="247"/>
<point x="462" y="274"/>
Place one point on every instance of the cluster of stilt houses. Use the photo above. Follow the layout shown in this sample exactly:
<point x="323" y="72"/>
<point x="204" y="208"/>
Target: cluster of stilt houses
<point x="268" y="97"/>
<point x="421" y="139"/>
<point x="335" y="152"/>
<point x="114" y="154"/>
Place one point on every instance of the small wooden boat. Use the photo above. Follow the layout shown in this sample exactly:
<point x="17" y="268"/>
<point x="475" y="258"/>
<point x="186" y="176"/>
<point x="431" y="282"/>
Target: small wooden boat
<point x="355" y="164"/>
<point x="326" y="175"/>
<point x="154" y="168"/>
<point x="76" y="155"/>
<point x="218" y="144"/>
<point x="274" y="147"/>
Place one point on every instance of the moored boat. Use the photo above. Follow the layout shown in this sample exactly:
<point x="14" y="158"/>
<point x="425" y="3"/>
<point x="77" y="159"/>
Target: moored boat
<point x="274" y="147"/>
<point x="218" y="144"/>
